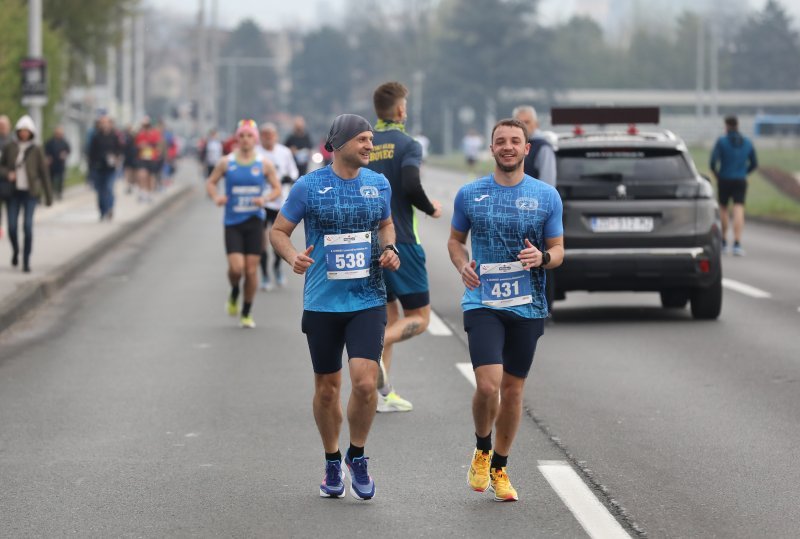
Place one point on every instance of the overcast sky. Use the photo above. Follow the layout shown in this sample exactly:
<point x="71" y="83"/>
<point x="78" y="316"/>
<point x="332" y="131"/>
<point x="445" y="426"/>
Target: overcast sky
<point x="303" y="14"/>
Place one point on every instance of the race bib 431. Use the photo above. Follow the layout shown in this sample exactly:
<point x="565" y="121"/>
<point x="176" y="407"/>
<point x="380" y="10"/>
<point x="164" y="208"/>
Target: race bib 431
<point x="505" y="284"/>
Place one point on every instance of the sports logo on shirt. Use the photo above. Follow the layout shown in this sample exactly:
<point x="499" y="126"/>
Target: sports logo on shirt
<point x="527" y="204"/>
<point x="369" y="191"/>
<point x="324" y="190"/>
<point x="482" y="197"/>
<point x="255" y="171"/>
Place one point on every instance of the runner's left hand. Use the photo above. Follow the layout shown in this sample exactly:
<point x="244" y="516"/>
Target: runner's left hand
<point x="530" y="256"/>
<point x="389" y="260"/>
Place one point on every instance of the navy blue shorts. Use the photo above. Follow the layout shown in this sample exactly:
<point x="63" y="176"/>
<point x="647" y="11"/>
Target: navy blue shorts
<point x="328" y="334"/>
<point x="409" y="284"/>
<point x="498" y="337"/>
<point x="246" y="238"/>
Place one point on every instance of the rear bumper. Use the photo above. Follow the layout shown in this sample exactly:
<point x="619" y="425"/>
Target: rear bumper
<point x="638" y="269"/>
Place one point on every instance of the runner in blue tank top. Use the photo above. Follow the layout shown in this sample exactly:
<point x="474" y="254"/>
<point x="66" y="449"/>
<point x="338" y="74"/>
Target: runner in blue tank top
<point x="350" y="241"/>
<point x="245" y="174"/>
<point x="516" y="229"/>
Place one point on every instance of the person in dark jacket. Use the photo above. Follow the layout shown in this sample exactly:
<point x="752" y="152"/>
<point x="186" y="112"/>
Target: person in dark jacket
<point x="104" y="153"/>
<point x="732" y="159"/>
<point x="5" y="188"/>
<point x="57" y="150"/>
<point x="23" y="164"/>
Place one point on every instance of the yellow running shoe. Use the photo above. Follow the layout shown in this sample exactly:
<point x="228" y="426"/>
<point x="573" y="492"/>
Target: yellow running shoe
<point x="393" y="403"/>
<point x="231" y="307"/>
<point x="247" y="322"/>
<point x="478" y="475"/>
<point x="501" y="486"/>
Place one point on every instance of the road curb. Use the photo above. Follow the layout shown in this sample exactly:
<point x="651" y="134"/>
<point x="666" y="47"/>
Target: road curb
<point x="32" y="294"/>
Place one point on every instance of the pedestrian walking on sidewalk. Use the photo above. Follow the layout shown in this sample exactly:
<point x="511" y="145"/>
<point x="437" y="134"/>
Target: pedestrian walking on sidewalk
<point x="346" y="209"/>
<point x="104" y="155"/>
<point x="516" y="229"/>
<point x="57" y="150"/>
<point x="24" y="165"/>
<point x="246" y="174"/>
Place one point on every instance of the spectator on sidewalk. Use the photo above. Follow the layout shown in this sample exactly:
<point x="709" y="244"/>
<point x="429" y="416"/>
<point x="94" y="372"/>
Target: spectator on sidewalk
<point x="57" y="150"/>
<point x="104" y="154"/>
<point x="129" y="155"/>
<point x="23" y="164"/>
<point x="472" y="145"/>
<point x="5" y="187"/>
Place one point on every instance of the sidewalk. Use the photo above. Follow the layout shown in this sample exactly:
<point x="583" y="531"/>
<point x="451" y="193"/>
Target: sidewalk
<point x="69" y="236"/>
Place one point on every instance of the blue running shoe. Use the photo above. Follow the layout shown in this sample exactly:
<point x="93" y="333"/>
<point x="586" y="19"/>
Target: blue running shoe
<point x="362" y="487"/>
<point x="333" y="484"/>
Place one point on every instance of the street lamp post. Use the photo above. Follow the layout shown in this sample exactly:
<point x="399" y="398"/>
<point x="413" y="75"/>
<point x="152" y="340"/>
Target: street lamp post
<point x="35" y="52"/>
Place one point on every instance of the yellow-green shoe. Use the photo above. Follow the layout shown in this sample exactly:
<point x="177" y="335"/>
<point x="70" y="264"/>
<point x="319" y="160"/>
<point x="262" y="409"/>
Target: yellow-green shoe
<point x="247" y="322"/>
<point x="393" y="403"/>
<point x="478" y="475"/>
<point x="231" y="308"/>
<point x="501" y="486"/>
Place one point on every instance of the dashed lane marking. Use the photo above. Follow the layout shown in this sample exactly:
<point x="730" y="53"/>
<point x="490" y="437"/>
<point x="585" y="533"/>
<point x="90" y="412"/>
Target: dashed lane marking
<point x="469" y="374"/>
<point x="745" y="289"/>
<point x="437" y="326"/>
<point x="587" y="509"/>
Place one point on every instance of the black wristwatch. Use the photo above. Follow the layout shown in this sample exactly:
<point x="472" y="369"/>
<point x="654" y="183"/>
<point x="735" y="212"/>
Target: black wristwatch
<point x="391" y="247"/>
<point x="545" y="258"/>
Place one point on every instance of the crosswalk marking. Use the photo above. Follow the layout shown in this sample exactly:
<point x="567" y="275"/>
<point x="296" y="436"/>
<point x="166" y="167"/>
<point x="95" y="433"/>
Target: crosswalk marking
<point x="745" y="289"/>
<point x="583" y="504"/>
<point x="469" y="374"/>
<point x="438" y="327"/>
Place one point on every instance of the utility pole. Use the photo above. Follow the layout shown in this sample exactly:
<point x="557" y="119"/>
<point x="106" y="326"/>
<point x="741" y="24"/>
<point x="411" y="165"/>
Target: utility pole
<point x="416" y="109"/>
<point x="35" y="51"/>
<point x="714" y="68"/>
<point x="138" y="60"/>
<point x="213" y="76"/>
<point x="202" y="60"/>
<point x="127" y="71"/>
<point x="111" y="81"/>
<point x="701" y="68"/>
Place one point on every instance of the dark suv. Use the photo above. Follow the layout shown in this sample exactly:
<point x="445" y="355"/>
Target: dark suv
<point x="638" y="217"/>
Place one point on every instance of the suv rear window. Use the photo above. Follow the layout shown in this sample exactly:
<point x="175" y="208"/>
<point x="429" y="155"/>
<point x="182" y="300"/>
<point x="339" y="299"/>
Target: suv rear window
<point x="630" y="165"/>
<point x="646" y="172"/>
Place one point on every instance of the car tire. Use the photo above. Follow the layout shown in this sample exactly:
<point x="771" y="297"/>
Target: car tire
<point x="707" y="302"/>
<point x="674" y="298"/>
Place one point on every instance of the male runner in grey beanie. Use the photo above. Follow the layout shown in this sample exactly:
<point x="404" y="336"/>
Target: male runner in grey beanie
<point x="344" y="128"/>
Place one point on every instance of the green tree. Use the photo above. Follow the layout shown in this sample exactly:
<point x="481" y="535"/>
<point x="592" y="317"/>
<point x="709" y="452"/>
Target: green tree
<point x="14" y="47"/>
<point x="254" y="87"/>
<point x="766" y="51"/>
<point x="322" y="77"/>
<point x="581" y="56"/>
<point x="87" y="28"/>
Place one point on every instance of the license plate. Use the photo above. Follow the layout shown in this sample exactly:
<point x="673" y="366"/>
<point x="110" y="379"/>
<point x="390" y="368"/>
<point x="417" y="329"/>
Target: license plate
<point x="622" y="224"/>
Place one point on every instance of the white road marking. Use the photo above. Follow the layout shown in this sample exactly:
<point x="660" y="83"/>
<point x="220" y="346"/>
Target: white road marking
<point x="588" y="510"/>
<point x="745" y="289"/>
<point x="469" y="374"/>
<point x="438" y="327"/>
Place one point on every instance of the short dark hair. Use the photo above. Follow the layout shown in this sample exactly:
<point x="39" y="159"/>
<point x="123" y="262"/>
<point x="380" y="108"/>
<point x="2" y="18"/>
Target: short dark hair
<point x="511" y="122"/>
<point x="731" y="122"/>
<point x="386" y="97"/>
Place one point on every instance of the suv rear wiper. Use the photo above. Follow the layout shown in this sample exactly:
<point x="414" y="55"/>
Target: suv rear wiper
<point x="612" y="176"/>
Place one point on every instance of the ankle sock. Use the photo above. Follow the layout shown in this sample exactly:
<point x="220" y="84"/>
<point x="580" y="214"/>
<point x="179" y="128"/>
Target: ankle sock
<point x="234" y="293"/>
<point x="386" y="389"/>
<point x="334" y="456"/>
<point x="246" y="309"/>
<point x="484" y="444"/>
<point x="355" y="452"/>
<point x="499" y="461"/>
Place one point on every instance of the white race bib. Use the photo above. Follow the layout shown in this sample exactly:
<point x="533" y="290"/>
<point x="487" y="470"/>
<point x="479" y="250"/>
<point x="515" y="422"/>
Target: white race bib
<point x="505" y="284"/>
<point x="348" y="256"/>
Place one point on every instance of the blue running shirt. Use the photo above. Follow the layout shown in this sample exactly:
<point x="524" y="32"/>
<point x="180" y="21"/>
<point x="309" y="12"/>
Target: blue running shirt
<point x="243" y="183"/>
<point x="336" y="209"/>
<point x="499" y="218"/>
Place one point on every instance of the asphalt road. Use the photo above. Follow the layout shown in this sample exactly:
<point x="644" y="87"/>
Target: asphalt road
<point x="131" y="405"/>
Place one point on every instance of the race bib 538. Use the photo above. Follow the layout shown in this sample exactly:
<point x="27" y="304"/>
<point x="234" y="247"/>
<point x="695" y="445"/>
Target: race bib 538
<point x="348" y="256"/>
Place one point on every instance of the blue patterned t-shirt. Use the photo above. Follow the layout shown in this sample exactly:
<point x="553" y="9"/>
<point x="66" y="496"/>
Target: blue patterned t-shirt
<point x="333" y="207"/>
<point x="499" y="219"/>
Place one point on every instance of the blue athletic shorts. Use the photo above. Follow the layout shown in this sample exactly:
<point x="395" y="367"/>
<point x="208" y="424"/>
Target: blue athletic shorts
<point x="409" y="284"/>
<point x="328" y="334"/>
<point x="498" y="337"/>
